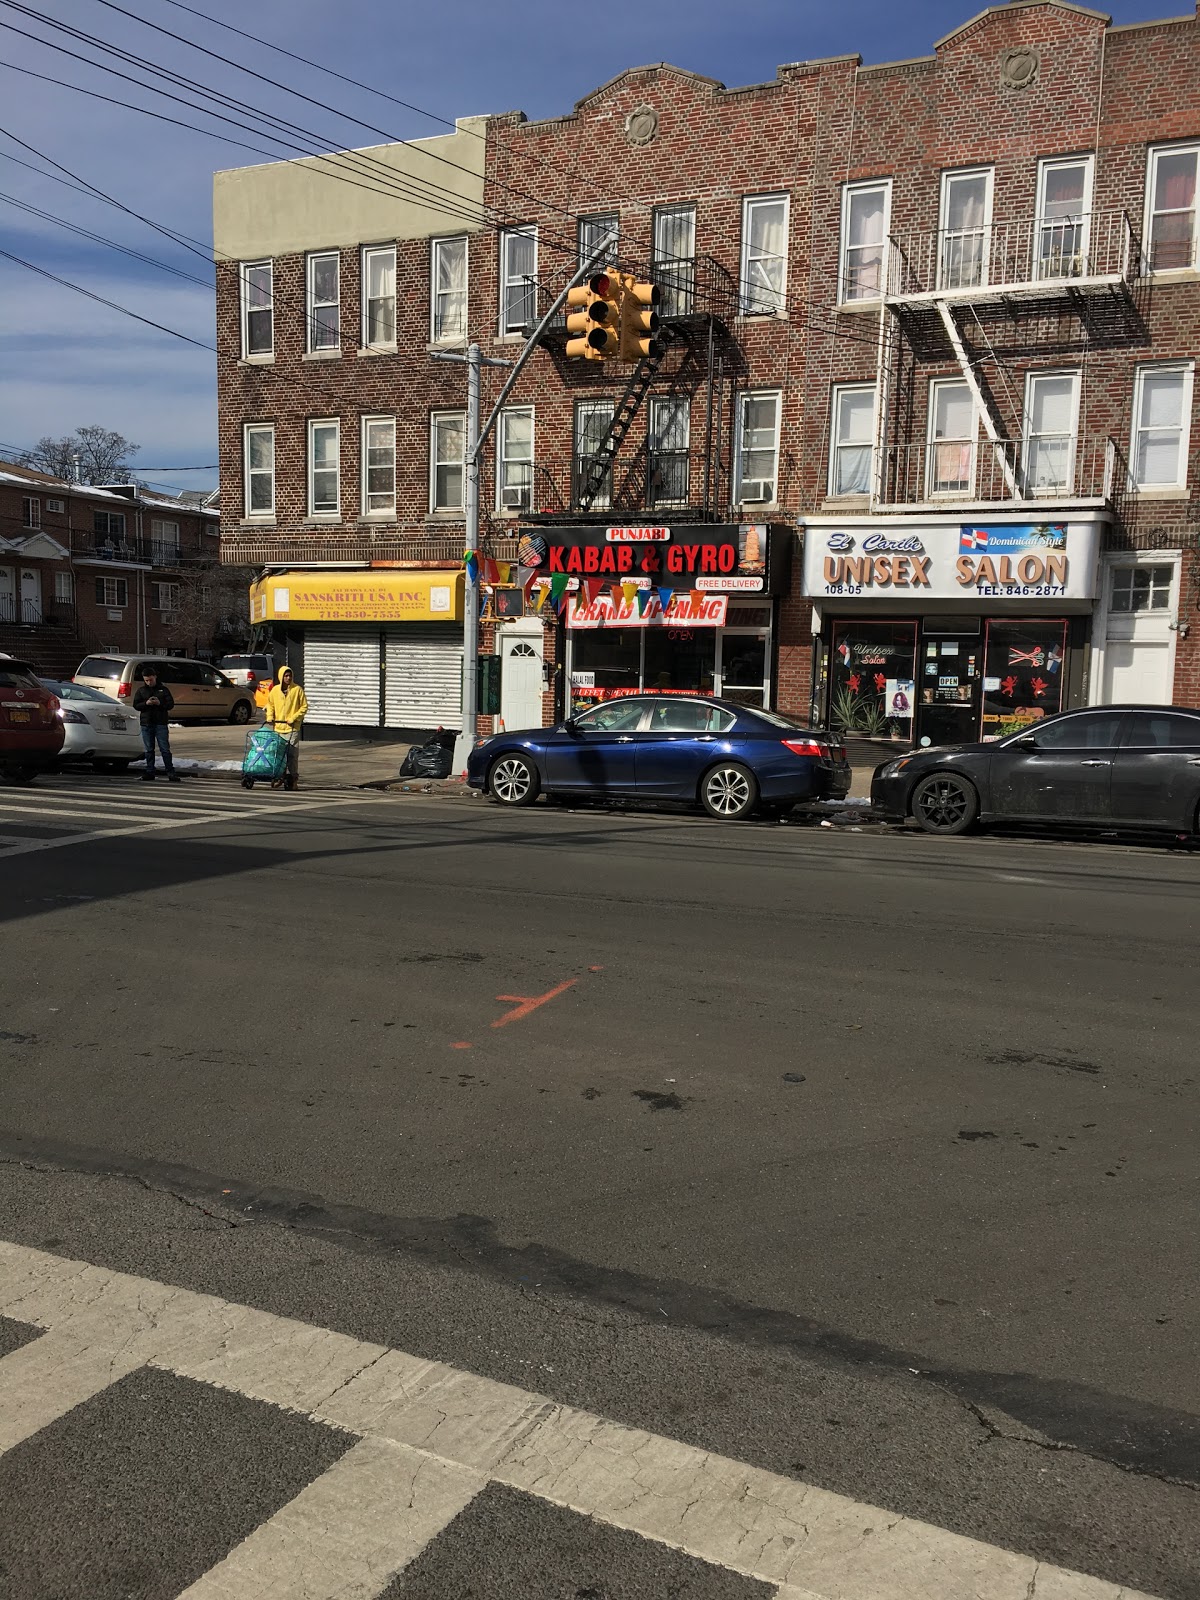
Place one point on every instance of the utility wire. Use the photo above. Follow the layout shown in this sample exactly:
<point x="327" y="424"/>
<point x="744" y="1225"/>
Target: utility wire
<point x="112" y="304"/>
<point x="99" y="238"/>
<point x="74" y="180"/>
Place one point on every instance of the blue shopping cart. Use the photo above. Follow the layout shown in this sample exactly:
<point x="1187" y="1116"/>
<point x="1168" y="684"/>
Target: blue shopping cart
<point x="265" y="758"/>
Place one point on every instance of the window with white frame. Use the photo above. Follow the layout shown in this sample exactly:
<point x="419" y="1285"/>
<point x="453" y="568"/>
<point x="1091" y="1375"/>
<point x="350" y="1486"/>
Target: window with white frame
<point x="258" y="310"/>
<point x="1162" y="414"/>
<point x="518" y="268"/>
<point x="1064" y="217"/>
<point x="379" y="466"/>
<point x="675" y="258"/>
<point x="953" y="429"/>
<point x="593" y="419"/>
<point x="514" y="459"/>
<point x="669" y="448"/>
<point x="324" y="461"/>
<point x="764" y="254"/>
<point x="447" y="450"/>
<point x="966" y="228"/>
<point x="258" y="459"/>
<point x="324" y="297"/>
<point x="1172" y="232"/>
<point x="164" y="536"/>
<point x="1138" y="587"/>
<point x="379" y="297"/>
<point x="109" y="526"/>
<point x="756" y="475"/>
<point x="1051" y="409"/>
<point x="113" y="592"/>
<point x="64" y="588"/>
<point x="31" y="511"/>
<point x="166" y="596"/>
<point x="448" y="291"/>
<point x="865" y="211"/>
<point x="599" y="232"/>
<point x="852" y="437"/>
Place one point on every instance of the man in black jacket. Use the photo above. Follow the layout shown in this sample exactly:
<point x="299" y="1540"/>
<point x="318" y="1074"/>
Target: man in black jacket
<point x="155" y="702"/>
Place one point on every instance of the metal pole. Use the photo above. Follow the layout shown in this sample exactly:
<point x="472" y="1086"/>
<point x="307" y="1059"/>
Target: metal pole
<point x="470" y="677"/>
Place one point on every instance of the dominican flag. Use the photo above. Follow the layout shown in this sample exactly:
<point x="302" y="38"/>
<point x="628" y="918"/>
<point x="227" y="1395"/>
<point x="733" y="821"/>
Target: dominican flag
<point x="972" y="539"/>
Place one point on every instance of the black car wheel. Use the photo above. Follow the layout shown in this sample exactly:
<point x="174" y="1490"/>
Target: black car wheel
<point x="945" y="803"/>
<point x="241" y="712"/>
<point x="729" y="792"/>
<point x="513" y="781"/>
<point x="17" y="774"/>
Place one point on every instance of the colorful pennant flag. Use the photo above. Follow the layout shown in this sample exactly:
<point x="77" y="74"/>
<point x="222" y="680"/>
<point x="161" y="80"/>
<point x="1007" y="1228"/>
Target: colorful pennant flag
<point x="558" y="584"/>
<point x="664" y="599"/>
<point x="629" y="590"/>
<point x="543" y="596"/>
<point x="644" y="597"/>
<point x="471" y="562"/>
<point x="527" y="575"/>
<point x="505" y="571"/>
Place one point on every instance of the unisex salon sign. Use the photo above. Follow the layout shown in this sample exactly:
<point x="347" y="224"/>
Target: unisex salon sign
<point x="1006" y="561"/>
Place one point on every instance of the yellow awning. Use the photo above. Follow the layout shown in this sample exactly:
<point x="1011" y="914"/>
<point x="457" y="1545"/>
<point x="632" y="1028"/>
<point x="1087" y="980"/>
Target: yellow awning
<point x="374" y="596"/>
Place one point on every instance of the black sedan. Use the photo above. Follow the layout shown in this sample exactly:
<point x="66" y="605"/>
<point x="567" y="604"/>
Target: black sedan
<point x="1134" y="767"/>
<point x="729" y="758"/>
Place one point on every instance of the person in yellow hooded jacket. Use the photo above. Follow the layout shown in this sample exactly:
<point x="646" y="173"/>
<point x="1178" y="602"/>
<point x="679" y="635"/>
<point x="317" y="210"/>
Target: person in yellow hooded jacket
<point x="285" y="711"/>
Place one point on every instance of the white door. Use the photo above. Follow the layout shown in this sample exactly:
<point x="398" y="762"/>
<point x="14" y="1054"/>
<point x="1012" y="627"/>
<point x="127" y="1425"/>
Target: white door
<point x="8" y="603"/>
<point x="521" y="679"/>
<point x="1139" y="653"/>
<point x="31" y="594"/>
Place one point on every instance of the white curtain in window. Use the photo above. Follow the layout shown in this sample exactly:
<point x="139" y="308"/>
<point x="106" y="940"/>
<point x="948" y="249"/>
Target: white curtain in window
<point x="766" y="255"/>
<point x="1160" y="427"/>
<point x="520" y="266"/>
<point x="853" y="425"/>
<point x="450" y="316"/>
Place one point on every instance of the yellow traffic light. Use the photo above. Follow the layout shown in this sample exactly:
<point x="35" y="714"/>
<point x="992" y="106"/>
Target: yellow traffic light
<point x="639" y="320"/>
<point x="597" y="325"/>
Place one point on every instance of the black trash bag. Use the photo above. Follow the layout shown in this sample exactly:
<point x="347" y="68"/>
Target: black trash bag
<point x="433" y="759"/>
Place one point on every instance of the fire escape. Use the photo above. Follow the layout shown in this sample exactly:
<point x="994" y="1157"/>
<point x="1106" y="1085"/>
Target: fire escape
<point x="683" y="472"/>
<point x="990" y="300"/>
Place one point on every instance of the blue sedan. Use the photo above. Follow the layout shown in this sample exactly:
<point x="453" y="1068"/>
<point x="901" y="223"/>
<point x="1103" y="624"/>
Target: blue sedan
<point x="729" y="758"/>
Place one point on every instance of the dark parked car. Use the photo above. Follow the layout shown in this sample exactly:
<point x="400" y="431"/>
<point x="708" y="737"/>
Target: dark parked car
<point x="1135" y="767"/>
<point x="730" y="759"/>
<point x="31" y="734"/>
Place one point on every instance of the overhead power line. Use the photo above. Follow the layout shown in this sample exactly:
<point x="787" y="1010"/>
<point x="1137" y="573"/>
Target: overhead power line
<point x="112" y="304"/>
<point x="74" y="180"/>
<point x="99" y="238"/>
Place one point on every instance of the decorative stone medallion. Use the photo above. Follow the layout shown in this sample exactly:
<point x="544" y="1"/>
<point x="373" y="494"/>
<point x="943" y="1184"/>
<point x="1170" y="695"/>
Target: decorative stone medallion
<point x="1019" y="68"/>
<point x="641" y="126"/>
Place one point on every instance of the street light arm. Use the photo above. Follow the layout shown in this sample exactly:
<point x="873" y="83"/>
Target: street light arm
<point x="532" y="342"/>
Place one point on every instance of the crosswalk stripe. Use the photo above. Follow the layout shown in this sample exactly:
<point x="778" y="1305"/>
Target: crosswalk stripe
<point x="42" y="1381"/>
<point x="49" y="816"/>
<point x="61" y="841"/>
<point x="810" y="1543"/>
<point x="349" y="1532"/>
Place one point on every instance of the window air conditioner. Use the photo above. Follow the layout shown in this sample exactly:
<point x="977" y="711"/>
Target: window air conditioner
<point x="514" y="499"/>
<point x="56" y="505"/>
<point x="755" y="491"/>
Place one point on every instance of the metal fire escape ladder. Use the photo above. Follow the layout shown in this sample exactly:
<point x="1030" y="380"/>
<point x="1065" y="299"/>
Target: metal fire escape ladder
<point x="624" y="413"/>
<point x="884" y="360"/>
<point x="982" y="408"/>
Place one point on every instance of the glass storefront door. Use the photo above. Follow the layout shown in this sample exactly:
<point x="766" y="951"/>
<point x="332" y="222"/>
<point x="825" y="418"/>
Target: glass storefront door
<point x="951" y="676"/>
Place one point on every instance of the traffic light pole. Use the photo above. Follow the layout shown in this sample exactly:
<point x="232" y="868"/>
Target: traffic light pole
<point x="476" y="438"/>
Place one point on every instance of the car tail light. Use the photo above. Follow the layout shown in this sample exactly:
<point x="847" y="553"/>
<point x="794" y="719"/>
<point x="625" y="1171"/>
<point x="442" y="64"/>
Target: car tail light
<point x="122" y="691"/>
<point x="807" y="747"/>
<point x="67" y="715"/>
<point x="251" y="679"/>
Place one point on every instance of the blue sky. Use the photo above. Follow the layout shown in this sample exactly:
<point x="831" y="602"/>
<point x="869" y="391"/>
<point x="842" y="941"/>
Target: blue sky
<point x="66" y="361"/>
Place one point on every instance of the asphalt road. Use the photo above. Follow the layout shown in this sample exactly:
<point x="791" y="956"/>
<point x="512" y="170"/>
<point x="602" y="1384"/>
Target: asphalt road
<point x="864" y="1158"/>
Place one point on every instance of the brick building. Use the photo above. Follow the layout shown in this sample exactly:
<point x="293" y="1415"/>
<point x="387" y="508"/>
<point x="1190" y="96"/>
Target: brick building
<point x="929" y="339"/>
<point x="86" y="568"/>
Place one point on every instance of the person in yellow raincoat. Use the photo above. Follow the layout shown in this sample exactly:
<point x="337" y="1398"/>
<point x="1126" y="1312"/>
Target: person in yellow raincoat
<point x="285" y="711"/>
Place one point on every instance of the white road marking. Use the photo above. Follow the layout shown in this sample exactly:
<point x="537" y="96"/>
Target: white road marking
<point x="813" y="1544"/>
<point x="61" y="841"/>
<point x="349" y="1532"/>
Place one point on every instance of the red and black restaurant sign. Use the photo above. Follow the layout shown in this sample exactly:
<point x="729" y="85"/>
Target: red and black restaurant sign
<point x="737" y="558"/>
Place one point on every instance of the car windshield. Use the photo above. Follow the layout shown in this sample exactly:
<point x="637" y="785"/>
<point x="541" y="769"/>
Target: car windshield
<point x="77" y="691"/>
